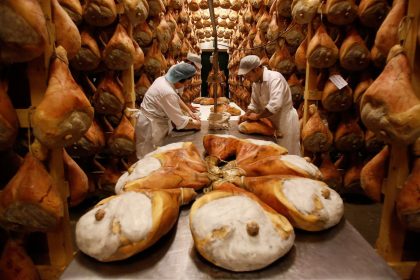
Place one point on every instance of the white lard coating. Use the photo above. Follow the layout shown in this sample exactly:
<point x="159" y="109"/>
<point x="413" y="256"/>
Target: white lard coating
<point x="302" y="164"/>
<point x="169" y="147"/>
<point x="133" y="211"/>
<point x="261" y="142"/>
<point x="300" y="193"/>
<point x="142" y="168"/>
<point x="239" y="251"/>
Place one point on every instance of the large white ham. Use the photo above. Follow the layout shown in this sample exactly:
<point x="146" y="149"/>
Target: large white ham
<point x="235" y="230"/>
<point x="123" y="225"/>
<point x="308" y="204"/>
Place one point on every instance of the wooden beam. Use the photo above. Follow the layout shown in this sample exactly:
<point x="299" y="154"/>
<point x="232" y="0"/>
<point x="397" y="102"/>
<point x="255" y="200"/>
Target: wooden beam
<point x="391" y="232"/>
<point x="403" y="269"/>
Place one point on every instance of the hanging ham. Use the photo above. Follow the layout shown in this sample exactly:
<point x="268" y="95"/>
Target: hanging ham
<point x="154" y="60"/>
<point x="136" y="10"/>
<point x="142" y="86"/>
<point x="322" y="51"/>
<point x="373" y="174"/>
<point x="23" y="31"/>
<point x="109" y="98"/>
<point x="349" y="136"/>
<point x="407" y="204"/>
<point x="77" y="179"/>
<point x="390" y="107"/>
<point x="64" y="114"/>
<point x="73" y="9"/>
<point x="99" y="12"/>
<point x="334" y="99"/>
<point x="387" y="34"/>
<point x="92" y="142"/>
<point x="372" y="12"/>
<point x="119" y="52"/>
<point x="9" y="123"/>
<point x="142" y="34"/>
<point x="66" y="32"/>
<point x="341" y="12"/>
<point x="303" y="11"/>
<point x="15" y="264"/>
<point x="354" y="55"/>
<point x="121" y="142"/>
<point x="89" y="56"/>
<point x="31" y="200"/>
<point x="316" y="137"/>
<point x="330" y="174"/>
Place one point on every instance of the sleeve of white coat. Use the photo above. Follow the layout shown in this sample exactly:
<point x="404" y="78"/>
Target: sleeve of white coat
<point x="277" y="88"/>
<point x="170" y="105"/>
<point x="253" y="104"/>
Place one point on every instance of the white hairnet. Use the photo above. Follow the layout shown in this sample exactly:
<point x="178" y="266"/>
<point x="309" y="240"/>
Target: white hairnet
<point x="179" y="72"/>
<point x="248" y="63"/>
<point x="196" y="59"/>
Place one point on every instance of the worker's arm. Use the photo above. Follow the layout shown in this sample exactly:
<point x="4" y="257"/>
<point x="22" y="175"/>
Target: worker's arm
<point x="187" y="109"/>
<point x="256" y="116"/>
<point x="193" y="124"/>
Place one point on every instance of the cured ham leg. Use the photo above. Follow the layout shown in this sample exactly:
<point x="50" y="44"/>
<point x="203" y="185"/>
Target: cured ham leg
<point x="408" y="200"/>
<point x="308" y="204"/>
<point x="15" y="264"/>
<point x="66" y="33"/>
<point x="235" y="230"/>
<point x="262" y="127"/>
<point x="31" y="201"/>
<point x="373" y="174"/>
<point x="316" y="136"/>
<point x="77" y="179"/>
<point x="64" y="114"/>
<point x="23" y="31"/>
<point x="9" y="123"/>
<point x="391" y="115"/>
<point x="177" y="165"/>
<point x="121" y="142"/>
<point x="123" y="225"/>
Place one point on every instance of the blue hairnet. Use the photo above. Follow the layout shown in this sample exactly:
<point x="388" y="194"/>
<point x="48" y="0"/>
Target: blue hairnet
<point x="179" y="72"/>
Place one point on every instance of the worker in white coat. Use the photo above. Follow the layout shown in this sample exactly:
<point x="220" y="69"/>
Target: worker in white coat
<point x="161" y="107"/>
<point x="271" y="98"/>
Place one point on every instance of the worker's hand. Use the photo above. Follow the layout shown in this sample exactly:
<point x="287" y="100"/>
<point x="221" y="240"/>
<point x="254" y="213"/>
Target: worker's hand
<point x="196" y="124"/>
<point x="193" y="108"/>
<point x="243" y="118"/>
<point x="195" y="116"/>
<point x="253" y="117"/>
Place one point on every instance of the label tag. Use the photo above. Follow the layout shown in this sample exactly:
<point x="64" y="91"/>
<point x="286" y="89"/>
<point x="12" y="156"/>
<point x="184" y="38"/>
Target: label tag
<point x="338" y="81"/>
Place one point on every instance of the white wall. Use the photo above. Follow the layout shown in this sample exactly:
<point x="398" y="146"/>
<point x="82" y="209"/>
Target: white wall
<point x="222" y="45"/>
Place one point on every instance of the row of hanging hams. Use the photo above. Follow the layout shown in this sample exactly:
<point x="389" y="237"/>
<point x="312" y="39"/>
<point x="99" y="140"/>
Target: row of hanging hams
<point x="353" y="55"/>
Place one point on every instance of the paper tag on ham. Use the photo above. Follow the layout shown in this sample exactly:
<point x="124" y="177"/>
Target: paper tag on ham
<point x="338" y="81"/>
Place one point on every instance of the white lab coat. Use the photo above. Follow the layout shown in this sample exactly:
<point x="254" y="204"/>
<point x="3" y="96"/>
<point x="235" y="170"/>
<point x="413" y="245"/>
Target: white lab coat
<point x="159" y="108"/>
<point x="274" y="94"/>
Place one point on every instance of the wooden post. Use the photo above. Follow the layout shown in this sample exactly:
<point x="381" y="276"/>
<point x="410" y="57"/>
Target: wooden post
<point x="391" y="233"/>
<point x="60" y="244"/>
<point x="390" y="243"/>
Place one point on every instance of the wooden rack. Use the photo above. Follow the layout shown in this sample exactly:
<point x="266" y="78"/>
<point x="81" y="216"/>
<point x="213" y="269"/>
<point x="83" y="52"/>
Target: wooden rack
<point x="390" y="243"/>
<point x="60" y="242"/>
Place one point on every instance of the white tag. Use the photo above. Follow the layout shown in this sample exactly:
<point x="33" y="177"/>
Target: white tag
<point x="338" y="81"/>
